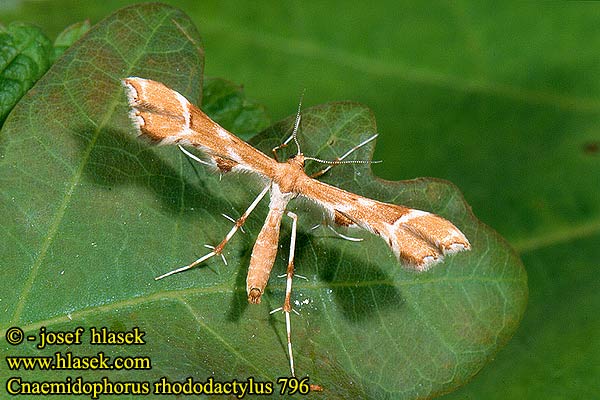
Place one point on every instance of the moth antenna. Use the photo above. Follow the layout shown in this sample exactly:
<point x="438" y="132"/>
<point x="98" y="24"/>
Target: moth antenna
<point x="294" y="135"/>
<point x="297" y="123"/>
<point x="338" y="162"/>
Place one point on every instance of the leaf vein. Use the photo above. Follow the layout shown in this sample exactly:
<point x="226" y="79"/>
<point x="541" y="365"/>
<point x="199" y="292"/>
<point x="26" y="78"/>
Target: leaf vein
<point x="58" y="217"/>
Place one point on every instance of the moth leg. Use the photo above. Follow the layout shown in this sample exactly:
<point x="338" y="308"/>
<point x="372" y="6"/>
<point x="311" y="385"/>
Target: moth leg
<point x="345" y="237"/>
<point x="295" y="276"/>
<point x="287" y="306"/>
<point x="219" y="248"/>
<point x="338" y="234"/>
<point x="193" y="156"/>
<point x="337" y="160"/>
<point x="281" y="146"/>
<point x="233" y="220"/>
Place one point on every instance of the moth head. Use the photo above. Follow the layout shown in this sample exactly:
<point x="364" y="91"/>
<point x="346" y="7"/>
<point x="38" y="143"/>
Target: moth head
<point x="297" y="160"/>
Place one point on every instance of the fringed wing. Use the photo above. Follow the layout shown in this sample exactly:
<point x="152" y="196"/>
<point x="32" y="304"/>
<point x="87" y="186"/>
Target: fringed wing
<point x="165" y="116"/>
<point x="418" y="238"/>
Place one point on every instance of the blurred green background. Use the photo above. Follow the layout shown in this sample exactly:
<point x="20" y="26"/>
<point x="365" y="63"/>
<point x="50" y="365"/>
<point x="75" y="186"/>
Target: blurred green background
<point x="503" y="99"/>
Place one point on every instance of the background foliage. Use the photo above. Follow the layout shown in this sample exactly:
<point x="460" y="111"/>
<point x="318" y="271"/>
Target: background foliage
<point x="501" y="99"/>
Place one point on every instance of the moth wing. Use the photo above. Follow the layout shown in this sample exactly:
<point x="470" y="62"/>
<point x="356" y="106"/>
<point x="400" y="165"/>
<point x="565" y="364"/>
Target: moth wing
<point x="418" y="238"/>
<point x="167" y="117"/>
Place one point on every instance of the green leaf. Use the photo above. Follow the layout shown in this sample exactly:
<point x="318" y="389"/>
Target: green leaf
<point x="225" y="103"/>
<point x="70" y="35"/>
<point x="24" y="57"/>
<point x="399" y="335"/>
<point x="93" y="215"/>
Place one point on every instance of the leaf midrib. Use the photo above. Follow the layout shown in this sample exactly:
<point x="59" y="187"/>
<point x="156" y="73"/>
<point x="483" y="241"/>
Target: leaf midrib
<point x="58" y="217"/>
<point x="177" y="294"/>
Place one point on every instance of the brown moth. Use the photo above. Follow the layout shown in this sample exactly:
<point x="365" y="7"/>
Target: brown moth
<point x="419" y="239"/>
